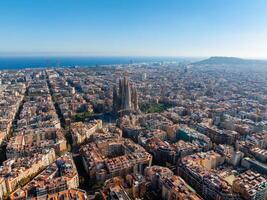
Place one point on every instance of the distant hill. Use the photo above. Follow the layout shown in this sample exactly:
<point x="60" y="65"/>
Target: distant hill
<point x="229" y="61"/>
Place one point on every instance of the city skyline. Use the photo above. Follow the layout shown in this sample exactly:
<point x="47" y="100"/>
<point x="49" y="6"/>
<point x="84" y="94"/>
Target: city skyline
<point x="134" y="28"/>
<point x="133" y="100"/>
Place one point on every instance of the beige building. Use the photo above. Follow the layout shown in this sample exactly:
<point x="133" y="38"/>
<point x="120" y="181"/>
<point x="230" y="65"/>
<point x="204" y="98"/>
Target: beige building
<point x="16" y="171"/>
<point x="82" y="131"/>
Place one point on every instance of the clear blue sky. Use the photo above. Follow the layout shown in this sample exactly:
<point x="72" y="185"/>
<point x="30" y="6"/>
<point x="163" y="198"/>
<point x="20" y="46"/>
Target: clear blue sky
<point x="134" y="27"/>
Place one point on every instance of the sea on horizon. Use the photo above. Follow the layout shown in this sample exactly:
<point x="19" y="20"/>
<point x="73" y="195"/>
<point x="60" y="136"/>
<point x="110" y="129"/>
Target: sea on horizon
<point x="21" y="62"/>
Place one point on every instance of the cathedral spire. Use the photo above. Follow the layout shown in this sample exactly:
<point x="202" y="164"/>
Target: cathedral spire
<point x="126" y="98"/>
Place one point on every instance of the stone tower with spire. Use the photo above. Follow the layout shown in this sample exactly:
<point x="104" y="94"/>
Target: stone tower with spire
<point x="126" y="97"/>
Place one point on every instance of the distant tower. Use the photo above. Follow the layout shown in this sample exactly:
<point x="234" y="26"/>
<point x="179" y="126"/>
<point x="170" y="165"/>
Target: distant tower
<point x="115" y="99"/>
<point x="143" y="76"/>
<point x="135" y="99"/>
<point x="185" y="69"/>
<point x="126" y="98"/>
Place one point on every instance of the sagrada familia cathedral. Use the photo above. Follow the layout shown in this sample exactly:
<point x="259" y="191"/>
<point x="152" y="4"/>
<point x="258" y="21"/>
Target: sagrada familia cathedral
<point x="126" y="98"/>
